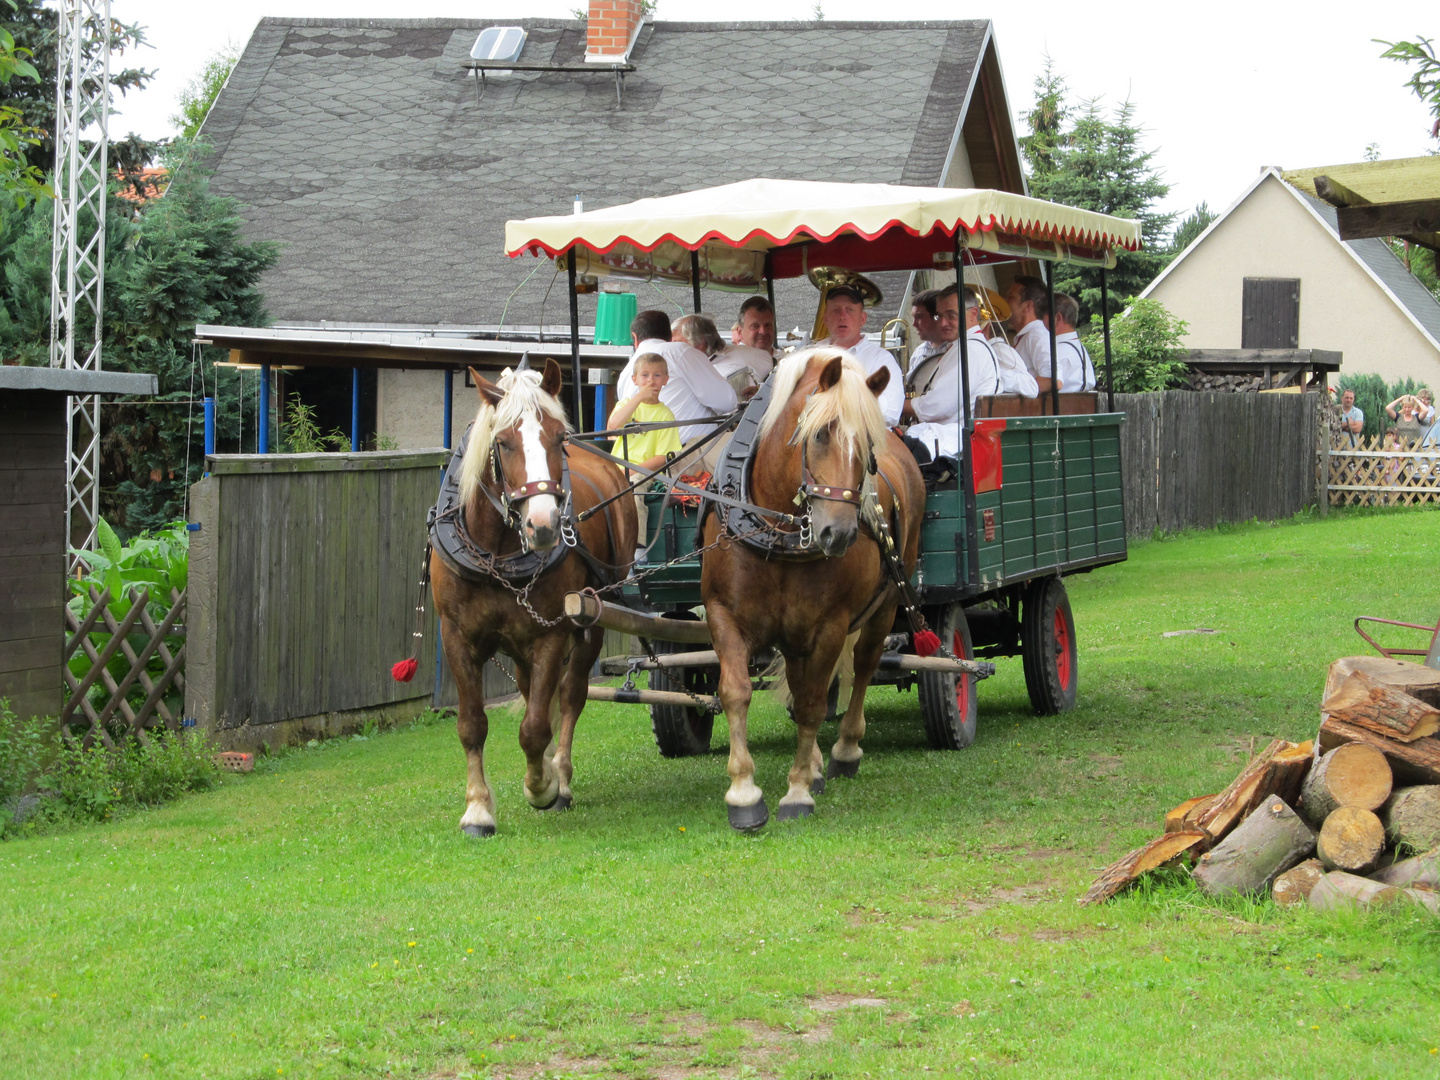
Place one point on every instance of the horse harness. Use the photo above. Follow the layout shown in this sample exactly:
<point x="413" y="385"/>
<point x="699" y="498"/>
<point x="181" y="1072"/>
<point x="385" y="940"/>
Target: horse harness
<point x="462" y="556"/>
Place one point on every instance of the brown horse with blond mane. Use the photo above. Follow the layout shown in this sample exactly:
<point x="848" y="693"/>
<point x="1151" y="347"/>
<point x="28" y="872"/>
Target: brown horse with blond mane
<point x="824" y="440"/>
<point x="514" y="505"/>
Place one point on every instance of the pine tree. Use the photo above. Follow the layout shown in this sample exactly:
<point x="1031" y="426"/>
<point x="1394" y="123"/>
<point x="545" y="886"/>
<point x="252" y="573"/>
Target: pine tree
<point x="1190" y="229"/>
<point x="1082" y="157"/>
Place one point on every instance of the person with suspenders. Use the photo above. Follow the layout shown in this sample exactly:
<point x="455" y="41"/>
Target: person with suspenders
<point x="1073" y="365"/>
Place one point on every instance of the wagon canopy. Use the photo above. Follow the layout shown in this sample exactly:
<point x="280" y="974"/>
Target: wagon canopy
<point x="800" y="224"/>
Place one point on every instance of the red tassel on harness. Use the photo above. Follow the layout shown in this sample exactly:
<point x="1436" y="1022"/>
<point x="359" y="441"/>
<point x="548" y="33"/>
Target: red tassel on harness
<point x="927" y="643"/>
<point x="405" y="670"/>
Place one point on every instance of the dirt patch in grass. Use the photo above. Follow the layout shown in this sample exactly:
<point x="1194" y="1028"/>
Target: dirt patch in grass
<point x="835" y="1002"/>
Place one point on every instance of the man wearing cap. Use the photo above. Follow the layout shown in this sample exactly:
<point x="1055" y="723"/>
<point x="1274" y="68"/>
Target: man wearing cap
<point x="934" y="387"/>
<point x="845" y="319"/>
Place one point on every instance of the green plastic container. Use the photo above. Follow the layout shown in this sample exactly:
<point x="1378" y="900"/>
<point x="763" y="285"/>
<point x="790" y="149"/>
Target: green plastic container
<point x="614" y="312"/>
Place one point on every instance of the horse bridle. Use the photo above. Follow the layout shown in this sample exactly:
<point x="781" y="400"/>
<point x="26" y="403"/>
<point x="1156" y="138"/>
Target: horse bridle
<point x="510" y="499"/>
<point x="810" y="488"/>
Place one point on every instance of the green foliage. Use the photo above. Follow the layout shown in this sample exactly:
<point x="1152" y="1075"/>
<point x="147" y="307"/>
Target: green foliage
<point x="94" y="783"/>
<point x="1372" y="394"/>
<point x="22" y="745"/>
<point x="1425" y="79"/>
<point x="20" y="181"/>
<point x="159" y="562"/>
<point x="1145" y="348"/>
<point x="200" y="93"/>
<point x="303" y="436"/>
<point x="1190" y="229"/>
<point x="1079" y="156"/>
<point x="34" y="27"/>
<point x="184" y="261"/>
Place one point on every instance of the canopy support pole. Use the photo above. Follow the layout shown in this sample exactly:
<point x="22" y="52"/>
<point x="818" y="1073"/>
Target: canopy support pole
<point x="695" y="279"/>
<point x="262" y="434"/>
<point x="355" y="410"/>
<point x="1054" y="355"/>
<point x="1105" y="323"/>
<point x="577" y="387"/>
<point x="770" y="290"/>
<point x="967" y="428"/>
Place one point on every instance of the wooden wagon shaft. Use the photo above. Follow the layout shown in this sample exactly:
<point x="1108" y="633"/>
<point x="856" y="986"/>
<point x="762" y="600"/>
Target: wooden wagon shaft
<point x="587" y="610"/>
<point x="892" y="661"/>
<point x="648" y="697"/>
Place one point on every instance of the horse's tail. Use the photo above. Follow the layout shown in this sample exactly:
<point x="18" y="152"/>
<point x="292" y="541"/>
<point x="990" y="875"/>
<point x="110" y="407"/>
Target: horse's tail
<point x="844" y="671"/>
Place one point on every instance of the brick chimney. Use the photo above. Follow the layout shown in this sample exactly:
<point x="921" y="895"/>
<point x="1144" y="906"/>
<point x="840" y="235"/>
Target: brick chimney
<point x="611" y="30"/>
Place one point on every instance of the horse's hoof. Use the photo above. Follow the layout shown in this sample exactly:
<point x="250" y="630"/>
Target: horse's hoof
<point x="749" y="818"/>
<point x="562" y="802"/>
<point x="479" y="832"/>
<point x="817" y="786"/>
<point x="794" y="810"/>
<point x="848" y="769"/>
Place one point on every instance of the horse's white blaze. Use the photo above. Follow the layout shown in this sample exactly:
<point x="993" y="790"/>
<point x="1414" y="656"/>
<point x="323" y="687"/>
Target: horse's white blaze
<point x="539" y="509"/>
<point x="743" y="793"/>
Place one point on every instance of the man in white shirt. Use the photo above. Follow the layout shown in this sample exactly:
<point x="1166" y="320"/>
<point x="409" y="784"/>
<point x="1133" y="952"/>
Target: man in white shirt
<point x="926" y="323"/>
<point x="934" y="390"/>
<point x="696" y="391"/>
<point x="1032" y="339"/>
<point x="845" y="319"/>
<point x="1076" y="372"/>
<point x="754" y="348"/>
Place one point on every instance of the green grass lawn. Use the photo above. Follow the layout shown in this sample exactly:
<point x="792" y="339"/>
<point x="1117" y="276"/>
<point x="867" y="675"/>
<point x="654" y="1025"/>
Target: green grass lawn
<point x="325" y="917"/>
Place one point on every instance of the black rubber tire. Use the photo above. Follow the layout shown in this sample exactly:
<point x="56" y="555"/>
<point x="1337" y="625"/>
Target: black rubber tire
<point x="681" y="731"/>
<point x="947" y="702"/>
<point x="1048" y="647"/>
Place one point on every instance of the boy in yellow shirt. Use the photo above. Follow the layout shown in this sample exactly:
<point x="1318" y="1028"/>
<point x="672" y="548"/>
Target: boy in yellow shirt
<point x="647" y="450"/>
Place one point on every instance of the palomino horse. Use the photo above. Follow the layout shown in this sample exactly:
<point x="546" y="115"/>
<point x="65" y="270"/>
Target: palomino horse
<point x="514" y="466"/>
<point x="822" y="439"/>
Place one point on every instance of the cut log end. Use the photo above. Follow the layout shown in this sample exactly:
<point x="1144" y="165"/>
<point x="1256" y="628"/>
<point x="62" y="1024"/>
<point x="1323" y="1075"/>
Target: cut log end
<point x="1412" y="817"/>
<point x="1372" y="703"/>
<point x="1355" y="774"/>
<point x="1294" y="885"/>
<point x="1352" y="840"/>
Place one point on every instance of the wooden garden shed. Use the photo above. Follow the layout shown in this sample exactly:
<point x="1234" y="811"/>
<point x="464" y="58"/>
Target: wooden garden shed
<point x="32" y="524"/>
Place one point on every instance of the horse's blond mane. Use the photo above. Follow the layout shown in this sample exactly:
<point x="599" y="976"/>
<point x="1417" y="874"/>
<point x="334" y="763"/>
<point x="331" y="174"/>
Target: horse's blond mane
<point x="849" y="404"/>
<point x="523" y="396"/>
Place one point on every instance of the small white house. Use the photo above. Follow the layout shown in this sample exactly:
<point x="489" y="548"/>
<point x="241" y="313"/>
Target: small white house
<point x="1272" y="272"/>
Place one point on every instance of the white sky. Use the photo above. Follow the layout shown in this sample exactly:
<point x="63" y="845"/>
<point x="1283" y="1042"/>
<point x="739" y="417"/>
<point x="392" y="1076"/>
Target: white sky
<point x="1222" y="89"/>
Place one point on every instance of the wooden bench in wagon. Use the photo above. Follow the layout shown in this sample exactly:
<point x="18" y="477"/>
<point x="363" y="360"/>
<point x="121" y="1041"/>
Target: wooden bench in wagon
<point x="1039" y="493"/>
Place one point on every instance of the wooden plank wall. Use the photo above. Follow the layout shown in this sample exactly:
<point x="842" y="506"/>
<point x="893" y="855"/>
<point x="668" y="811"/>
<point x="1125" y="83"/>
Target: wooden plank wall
<point x="32" y="549"/>
<point x="305" y="572"/>
<point x="1193" y="460"/>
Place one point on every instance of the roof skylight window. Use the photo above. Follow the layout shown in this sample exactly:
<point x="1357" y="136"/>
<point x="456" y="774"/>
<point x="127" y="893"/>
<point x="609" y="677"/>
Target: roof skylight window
<point x="502" y="43"/>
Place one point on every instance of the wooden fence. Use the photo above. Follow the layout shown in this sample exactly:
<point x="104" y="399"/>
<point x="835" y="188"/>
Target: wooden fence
<point x="1195" y="459"/>
<point x="304" y="570"/>
<point x="129" y="647"/>
<point x="1363" y="472"/>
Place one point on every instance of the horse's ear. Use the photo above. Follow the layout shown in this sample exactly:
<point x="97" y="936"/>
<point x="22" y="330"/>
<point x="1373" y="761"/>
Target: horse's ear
<point x="879" y="381"/>
<point x="489" y="392"/>
<point x="830" y="373"/>
<point x="550" y="381"/>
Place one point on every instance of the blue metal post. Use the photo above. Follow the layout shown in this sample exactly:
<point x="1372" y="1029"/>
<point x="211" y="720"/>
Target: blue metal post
<point x="601" y="416"/>
<point x="262" y="441"/>
<point x="355" y="410"/>
<point x="209" y="426"/>
<point x="449" y="404"/>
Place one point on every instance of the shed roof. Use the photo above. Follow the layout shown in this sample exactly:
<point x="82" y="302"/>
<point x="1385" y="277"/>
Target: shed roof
<point x="315" y="109"/>
<point x="75" y="380"/>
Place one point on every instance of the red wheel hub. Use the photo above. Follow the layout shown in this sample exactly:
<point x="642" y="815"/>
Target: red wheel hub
<point x="1064" y="665"/>
<point x="962" y="682"/>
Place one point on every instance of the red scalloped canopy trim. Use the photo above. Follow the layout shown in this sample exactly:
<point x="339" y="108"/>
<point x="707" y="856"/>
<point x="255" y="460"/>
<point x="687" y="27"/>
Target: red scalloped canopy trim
<point x="1077" y="236"/>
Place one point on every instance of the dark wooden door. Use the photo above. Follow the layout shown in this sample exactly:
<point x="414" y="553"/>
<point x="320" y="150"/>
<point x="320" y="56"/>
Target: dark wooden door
<point x="1270" y="315"/>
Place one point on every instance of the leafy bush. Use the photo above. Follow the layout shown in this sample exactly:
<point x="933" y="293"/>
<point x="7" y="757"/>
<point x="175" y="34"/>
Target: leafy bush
<point x="92" y="784"/>
<point x="303" y="434"/>
<point x="22" y="746"/>
<point x="1145" y="348"/>
<point x="159" y="561"/>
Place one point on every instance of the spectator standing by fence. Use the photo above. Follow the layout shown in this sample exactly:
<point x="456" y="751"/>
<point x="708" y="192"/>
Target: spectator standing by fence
<point x="1405" y="411"/>
<point x="1352" y="419"/>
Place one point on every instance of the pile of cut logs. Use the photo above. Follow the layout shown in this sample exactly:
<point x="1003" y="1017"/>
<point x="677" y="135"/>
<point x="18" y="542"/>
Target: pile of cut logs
<point x="1351" y="818"/>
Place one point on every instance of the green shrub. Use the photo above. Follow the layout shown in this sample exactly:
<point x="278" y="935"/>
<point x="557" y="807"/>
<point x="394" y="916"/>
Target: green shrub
<point x="92" y="784"/>
<point x="1145" y="349"/>
<point x="22" y="749"/>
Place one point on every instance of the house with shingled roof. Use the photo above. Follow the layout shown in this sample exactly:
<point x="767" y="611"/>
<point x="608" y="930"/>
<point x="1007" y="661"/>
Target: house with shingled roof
<point x="386" y="168"/>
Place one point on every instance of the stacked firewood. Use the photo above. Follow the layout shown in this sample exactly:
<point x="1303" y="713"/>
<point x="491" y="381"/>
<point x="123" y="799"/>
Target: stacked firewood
<point x="1334" y="822"/>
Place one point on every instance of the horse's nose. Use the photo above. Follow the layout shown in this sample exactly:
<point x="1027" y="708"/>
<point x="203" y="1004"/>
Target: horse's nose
<point x="544" y="532"/>
<point x="835" y="540"/>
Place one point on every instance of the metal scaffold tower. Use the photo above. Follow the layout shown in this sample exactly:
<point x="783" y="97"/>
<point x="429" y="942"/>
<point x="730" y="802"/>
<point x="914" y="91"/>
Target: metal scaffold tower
<point x="77" y="265"/>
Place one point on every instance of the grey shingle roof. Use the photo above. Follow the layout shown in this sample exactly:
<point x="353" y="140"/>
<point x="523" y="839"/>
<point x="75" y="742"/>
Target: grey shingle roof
<point x="1386" y="265"/>
<point x="361" y="147"/>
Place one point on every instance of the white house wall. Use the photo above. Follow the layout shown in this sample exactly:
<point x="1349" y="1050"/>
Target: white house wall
<point x="410" y="407"/>
<point x="1342" y="307"/>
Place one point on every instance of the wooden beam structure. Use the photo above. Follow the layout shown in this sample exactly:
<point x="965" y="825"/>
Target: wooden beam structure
<point x="1408" y="219"/>
<point x="1379" y="198"/>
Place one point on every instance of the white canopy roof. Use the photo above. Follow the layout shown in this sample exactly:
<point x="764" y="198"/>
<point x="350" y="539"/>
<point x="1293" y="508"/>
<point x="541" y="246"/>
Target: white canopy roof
<point x="813" y="223"/>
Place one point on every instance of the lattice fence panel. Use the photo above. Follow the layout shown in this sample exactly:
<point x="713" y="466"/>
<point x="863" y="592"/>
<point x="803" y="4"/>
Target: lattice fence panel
<point x="120" y="653"/>
<point x="1368" y="474"/>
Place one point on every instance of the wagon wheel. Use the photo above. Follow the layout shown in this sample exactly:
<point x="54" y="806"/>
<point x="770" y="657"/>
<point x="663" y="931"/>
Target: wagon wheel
<point x="1048" y="647"/>
<point x="947" y="700"/>
<point x="682" y="730"/>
